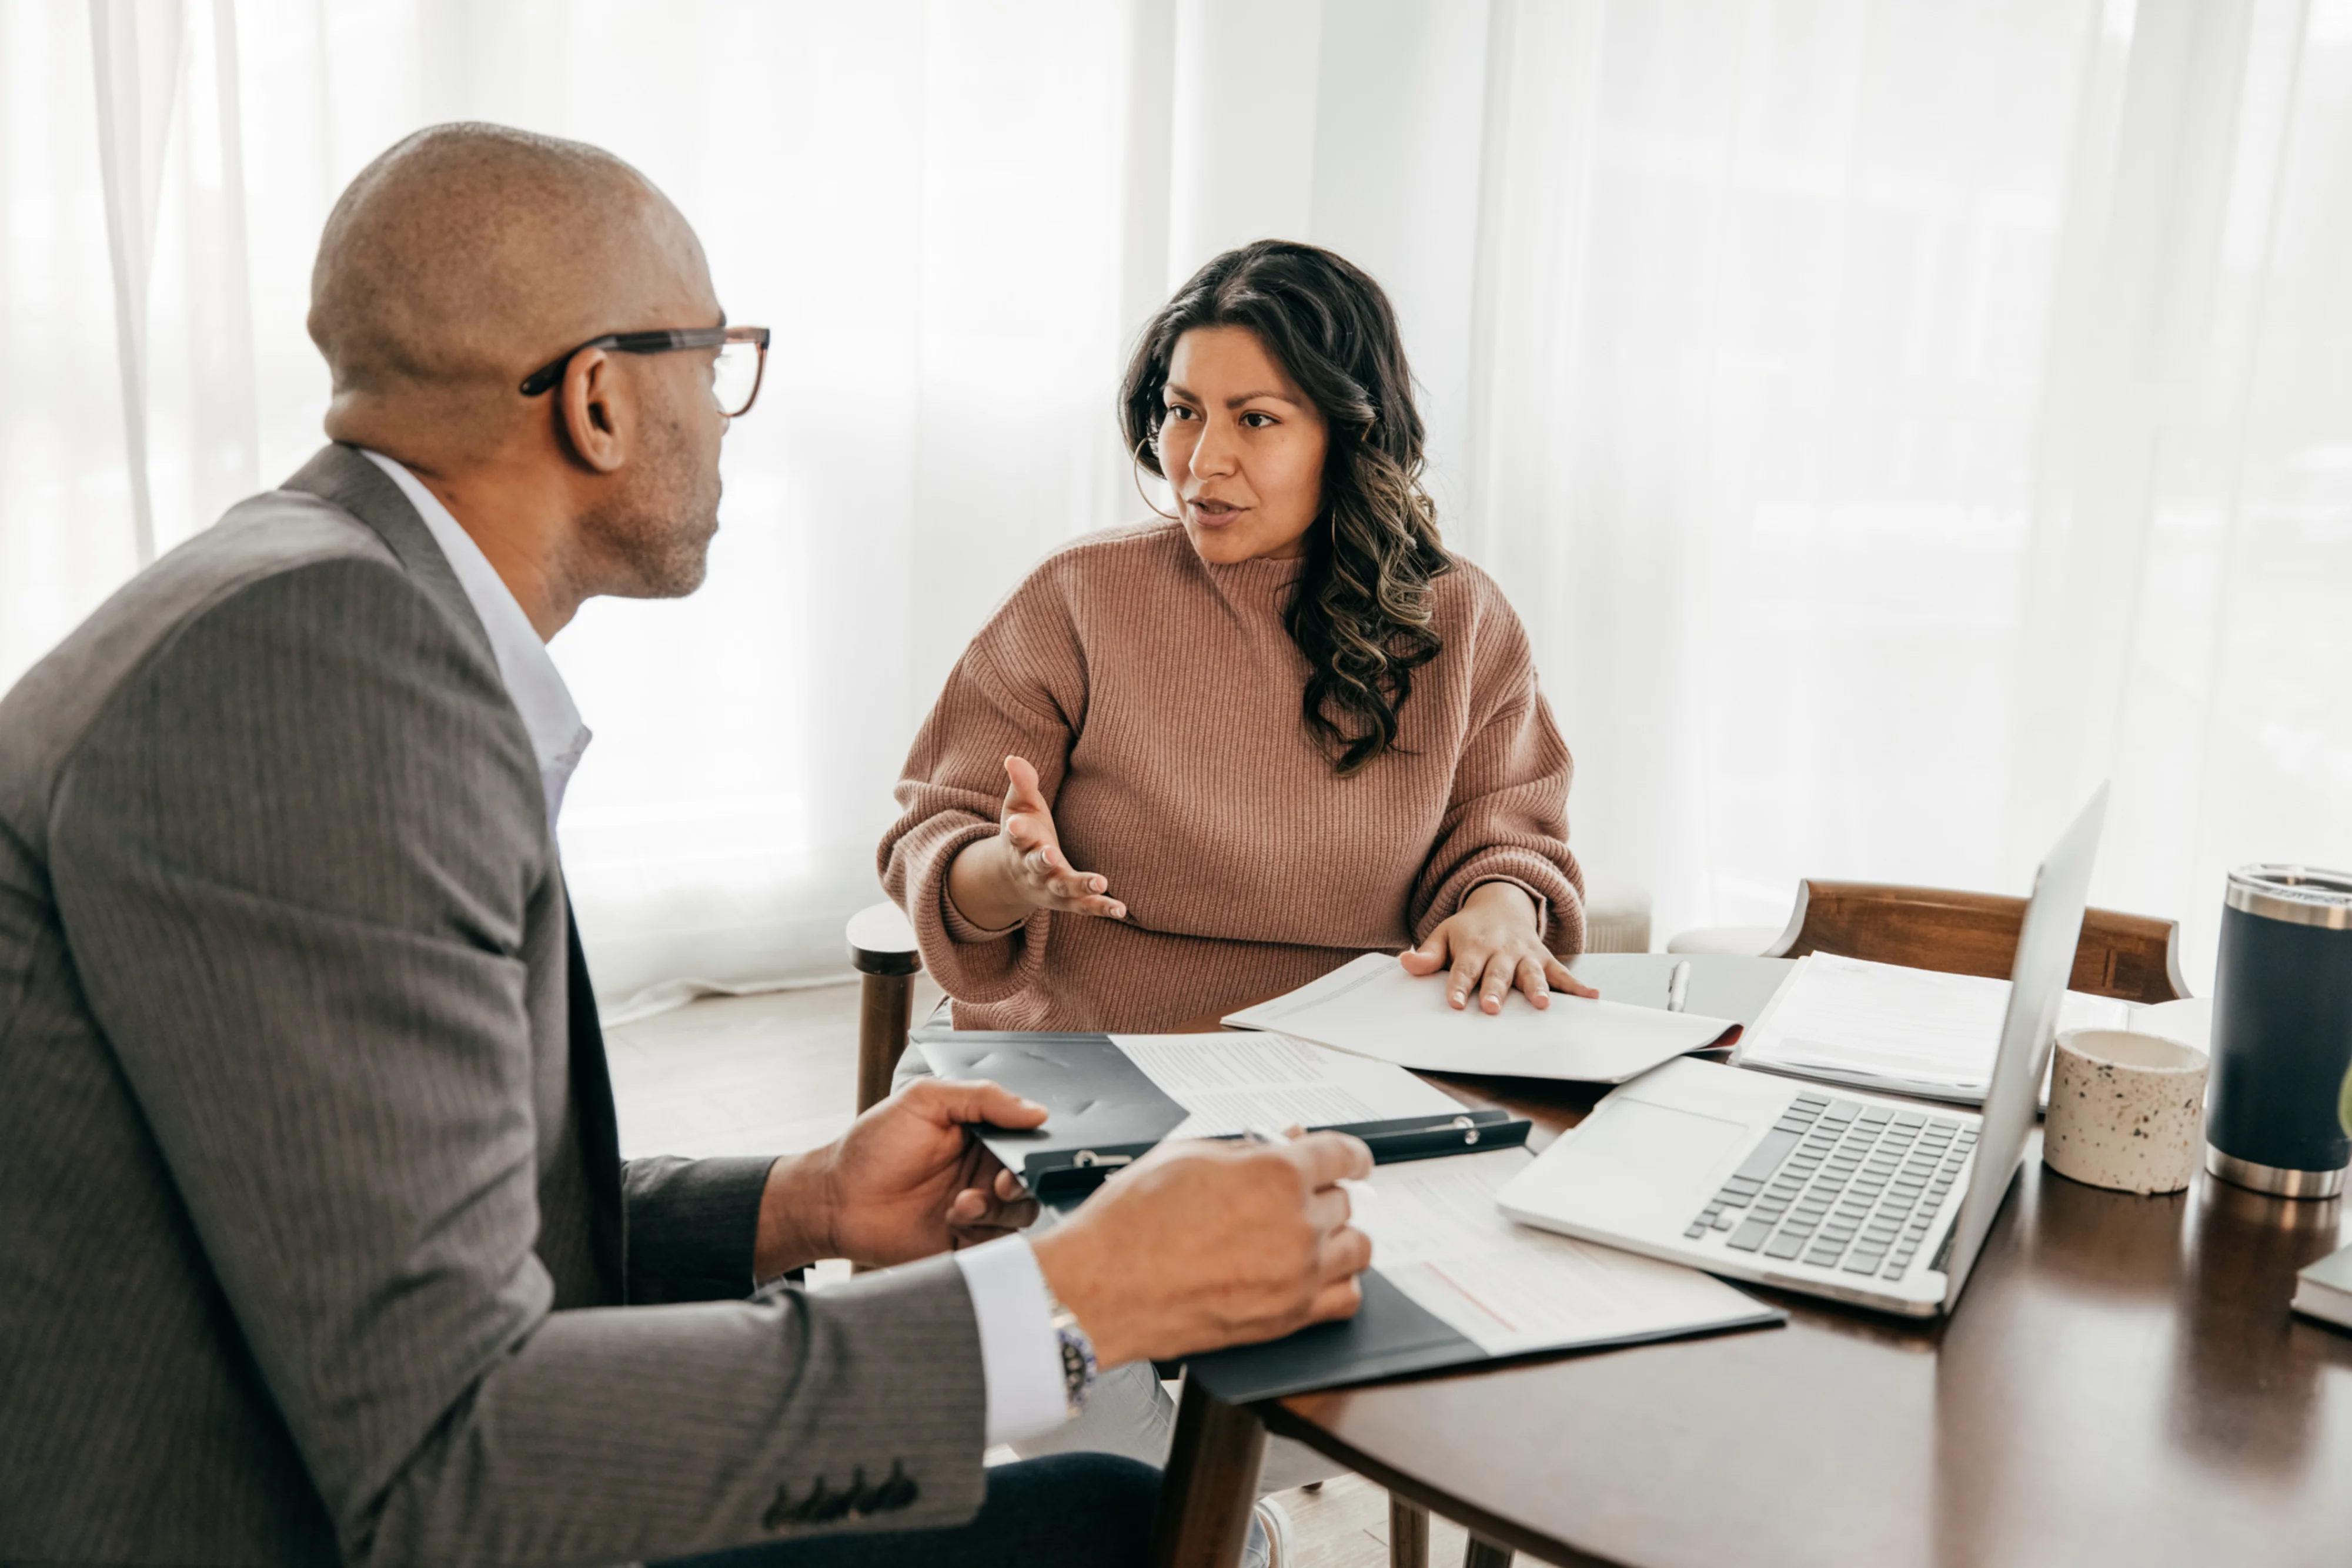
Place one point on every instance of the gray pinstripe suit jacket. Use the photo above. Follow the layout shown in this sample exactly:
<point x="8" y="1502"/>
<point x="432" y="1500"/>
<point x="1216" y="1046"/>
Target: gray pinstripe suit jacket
<point x="315" y="1245"/>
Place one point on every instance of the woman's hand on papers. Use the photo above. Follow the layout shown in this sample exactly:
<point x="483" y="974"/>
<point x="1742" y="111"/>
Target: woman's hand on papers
<point x="904" y="1182"/>
<point x="1202" y="1245"/>
<point x="997" y="882"/>
<point x="1489" y="945"/>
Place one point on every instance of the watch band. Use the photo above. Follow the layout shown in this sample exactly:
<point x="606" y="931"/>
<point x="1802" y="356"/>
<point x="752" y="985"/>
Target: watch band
<point x="1078" y="1367"/>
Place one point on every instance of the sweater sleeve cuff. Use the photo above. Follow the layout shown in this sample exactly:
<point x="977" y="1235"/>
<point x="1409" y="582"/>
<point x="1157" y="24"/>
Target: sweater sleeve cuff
<point x="1559" y="904"/>
<point x="692" y="1226"/>
<point x="971" y="963"/>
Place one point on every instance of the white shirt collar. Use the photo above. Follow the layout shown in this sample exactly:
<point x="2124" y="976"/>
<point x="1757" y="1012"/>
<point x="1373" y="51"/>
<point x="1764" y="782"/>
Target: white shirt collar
<point x="558" y="739"/>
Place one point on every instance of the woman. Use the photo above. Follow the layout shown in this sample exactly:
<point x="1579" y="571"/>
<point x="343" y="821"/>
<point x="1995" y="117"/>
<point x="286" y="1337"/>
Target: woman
<point x="1281" y="729"/>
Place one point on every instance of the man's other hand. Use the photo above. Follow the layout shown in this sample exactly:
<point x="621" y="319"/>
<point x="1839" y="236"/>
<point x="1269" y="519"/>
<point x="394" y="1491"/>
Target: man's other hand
<point x="1202" y="1245"/>
<point x="907" y="1180"/>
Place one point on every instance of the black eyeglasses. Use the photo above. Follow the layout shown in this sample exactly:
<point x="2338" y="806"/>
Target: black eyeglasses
<point x="735" y="376"/>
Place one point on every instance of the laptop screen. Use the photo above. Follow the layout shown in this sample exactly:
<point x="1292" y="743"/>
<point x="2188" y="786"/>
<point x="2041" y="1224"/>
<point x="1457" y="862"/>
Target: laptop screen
<point x="2045" y="958"/>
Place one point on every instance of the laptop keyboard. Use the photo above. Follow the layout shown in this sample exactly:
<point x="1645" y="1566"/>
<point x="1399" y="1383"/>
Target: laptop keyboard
<point x="1840" y="1185"/>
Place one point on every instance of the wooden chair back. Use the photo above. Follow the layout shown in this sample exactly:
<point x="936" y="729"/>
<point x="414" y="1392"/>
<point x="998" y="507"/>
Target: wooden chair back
<point x="2133" y="957"/>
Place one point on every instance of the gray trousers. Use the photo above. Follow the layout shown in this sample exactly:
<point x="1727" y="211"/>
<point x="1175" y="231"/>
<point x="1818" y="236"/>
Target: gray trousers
<point x="1131" y="1412"/>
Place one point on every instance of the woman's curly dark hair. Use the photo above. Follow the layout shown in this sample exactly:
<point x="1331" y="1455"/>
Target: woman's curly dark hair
<point x="1361" y="610"/>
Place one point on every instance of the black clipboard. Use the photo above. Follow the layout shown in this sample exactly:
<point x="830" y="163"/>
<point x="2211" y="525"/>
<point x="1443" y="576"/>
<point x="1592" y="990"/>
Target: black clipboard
<point x="1103" y="1113"/>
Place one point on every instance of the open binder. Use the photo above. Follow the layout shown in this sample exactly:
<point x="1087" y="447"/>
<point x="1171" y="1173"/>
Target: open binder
<point x="1454" y="1281"/>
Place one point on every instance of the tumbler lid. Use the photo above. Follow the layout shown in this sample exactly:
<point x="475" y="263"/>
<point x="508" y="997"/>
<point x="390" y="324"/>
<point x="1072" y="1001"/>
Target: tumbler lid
<point x="2302" y="896"/>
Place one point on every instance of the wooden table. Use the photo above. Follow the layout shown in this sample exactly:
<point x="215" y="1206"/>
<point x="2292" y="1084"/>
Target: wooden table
<point x="2121" y="1383"/>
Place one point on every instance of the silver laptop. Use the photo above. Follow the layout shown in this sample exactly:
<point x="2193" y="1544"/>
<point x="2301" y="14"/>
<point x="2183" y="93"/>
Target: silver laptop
<point x="1862" y="1197"/>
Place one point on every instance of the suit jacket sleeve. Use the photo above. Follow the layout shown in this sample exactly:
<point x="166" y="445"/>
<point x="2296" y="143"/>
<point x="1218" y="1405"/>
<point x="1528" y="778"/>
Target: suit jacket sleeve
<point x="287" y="858"/>
<point x="693" y="1225"/>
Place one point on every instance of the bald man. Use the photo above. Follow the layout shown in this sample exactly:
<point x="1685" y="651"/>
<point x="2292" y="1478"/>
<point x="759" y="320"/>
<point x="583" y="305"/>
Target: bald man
<point x="320" y="1248"/>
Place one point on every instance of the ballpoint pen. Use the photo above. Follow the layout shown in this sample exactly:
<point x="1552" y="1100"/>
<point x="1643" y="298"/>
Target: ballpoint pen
<point x="1677" y="984"/>
<point x="1258" y="1133"/>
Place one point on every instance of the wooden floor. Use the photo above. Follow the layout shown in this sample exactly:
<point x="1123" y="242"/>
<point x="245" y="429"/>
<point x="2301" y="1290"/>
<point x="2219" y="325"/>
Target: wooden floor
<point x="777" y="1074"/>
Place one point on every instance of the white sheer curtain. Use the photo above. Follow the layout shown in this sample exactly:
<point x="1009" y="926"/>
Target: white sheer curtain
<point x="1894" y="419"/>
<point x="1890" y="418"/>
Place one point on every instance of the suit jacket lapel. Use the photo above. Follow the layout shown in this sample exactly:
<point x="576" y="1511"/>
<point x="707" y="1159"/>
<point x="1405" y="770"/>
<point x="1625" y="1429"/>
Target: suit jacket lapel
<point x="600" y="1130"/>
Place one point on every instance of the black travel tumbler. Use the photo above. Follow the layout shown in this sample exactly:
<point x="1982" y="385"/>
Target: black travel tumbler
<point x="2281" y="1033"/>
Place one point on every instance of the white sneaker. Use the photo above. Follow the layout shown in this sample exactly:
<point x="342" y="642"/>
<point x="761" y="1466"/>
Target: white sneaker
<point x="1269" y="1537"/>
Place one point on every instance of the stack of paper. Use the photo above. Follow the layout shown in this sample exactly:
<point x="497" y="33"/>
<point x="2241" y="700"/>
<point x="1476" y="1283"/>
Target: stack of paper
<point x="1231" y="1086"/>
<point x="1915" y="1031"/>
<point x="1453" y="1282"/>
<point x="1373" y="1008"/>
<point x="1439" y="1236"/>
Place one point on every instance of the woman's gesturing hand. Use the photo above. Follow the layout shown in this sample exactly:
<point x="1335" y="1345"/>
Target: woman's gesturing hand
<point x="1490" y="944"/>
<point x="997" y="882"/>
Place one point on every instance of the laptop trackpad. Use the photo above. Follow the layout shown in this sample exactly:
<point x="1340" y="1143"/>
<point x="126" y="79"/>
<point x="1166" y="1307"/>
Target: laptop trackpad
<point x="1661" y="1149"/>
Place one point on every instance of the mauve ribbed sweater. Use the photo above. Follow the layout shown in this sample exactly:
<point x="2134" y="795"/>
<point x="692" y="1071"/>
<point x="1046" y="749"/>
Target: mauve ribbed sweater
<point x="1159" y="698"/>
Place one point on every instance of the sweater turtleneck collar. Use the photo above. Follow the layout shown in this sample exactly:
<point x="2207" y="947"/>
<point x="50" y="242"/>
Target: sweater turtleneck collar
<point x="1259" y="578"/>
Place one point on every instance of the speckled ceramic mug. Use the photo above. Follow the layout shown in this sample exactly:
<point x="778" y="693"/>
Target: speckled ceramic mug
<point x="2126" y="1110"/>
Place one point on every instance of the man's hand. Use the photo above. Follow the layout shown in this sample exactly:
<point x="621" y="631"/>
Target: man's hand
<point x="996" y="882"/>
<point x="906" y="1181"/>
<point x="1490" y="944"/>
<point x="1202" y="1245"/>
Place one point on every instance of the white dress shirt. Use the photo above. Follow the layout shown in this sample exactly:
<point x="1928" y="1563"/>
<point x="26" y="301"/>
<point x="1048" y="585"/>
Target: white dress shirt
<point x="1020" y="1355"/>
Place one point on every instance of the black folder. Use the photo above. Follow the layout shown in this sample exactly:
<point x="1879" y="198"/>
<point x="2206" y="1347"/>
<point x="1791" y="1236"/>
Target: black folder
<point x="1106" y="1112"/>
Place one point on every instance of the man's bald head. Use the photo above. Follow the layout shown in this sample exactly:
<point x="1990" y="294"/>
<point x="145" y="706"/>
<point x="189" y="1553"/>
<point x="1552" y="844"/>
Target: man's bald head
<point x="469" y="255"/>
<point x="463" y="260"/>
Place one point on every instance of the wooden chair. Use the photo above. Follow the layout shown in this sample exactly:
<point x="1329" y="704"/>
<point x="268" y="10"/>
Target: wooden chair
<point x="2133" y="957"/>
<point x="882" y="950"/>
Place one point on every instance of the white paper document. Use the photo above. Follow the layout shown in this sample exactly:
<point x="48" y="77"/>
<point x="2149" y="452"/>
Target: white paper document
<point x="1508" y="1287"/>
<point x="1884" y="1026"/>
<point x="1232" y="1082"/>
<point x="1373" y="1007"/>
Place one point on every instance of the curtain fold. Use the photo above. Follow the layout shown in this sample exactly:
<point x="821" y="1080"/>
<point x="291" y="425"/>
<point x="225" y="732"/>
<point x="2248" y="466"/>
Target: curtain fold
<point x="1890" y="416"/>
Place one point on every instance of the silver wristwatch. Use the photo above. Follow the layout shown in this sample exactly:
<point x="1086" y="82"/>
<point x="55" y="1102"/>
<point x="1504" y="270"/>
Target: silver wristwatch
<point x="1078" y="1368"/>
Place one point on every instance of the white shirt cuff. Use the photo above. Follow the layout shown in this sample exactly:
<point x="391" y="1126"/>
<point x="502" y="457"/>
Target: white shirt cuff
<point x="1020" y="1353"/>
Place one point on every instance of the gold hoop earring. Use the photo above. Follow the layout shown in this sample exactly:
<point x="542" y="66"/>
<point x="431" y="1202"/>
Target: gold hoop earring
<point x="1134" y="472"/>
